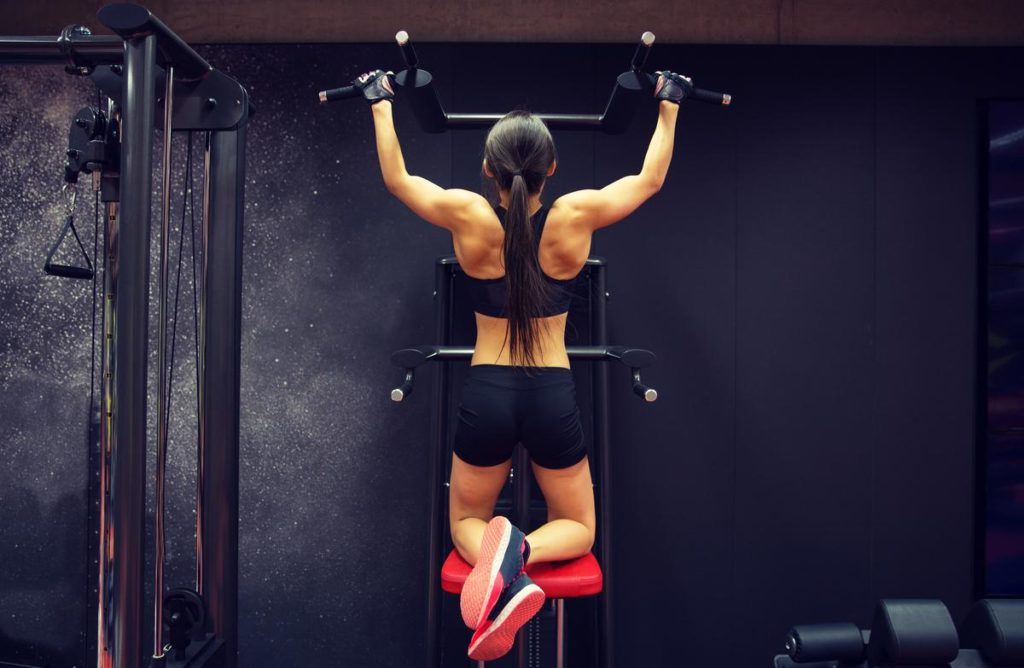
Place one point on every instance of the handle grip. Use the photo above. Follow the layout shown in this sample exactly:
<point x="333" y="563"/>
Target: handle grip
<point x="711" y="96"/>
<point x="643" y="49"/>
<point x="405" y="389"/>
<point x="343" y="93"/>
<point x="649" y="394"/>
<point x="64" y="271"/>
<point x="698" y="94"/>
<point x="408" y="53"/>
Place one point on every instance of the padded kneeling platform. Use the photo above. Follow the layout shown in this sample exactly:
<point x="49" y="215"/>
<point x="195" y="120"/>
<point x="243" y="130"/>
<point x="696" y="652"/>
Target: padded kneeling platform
<point x="996" y="628"/>
<point x="558" y="579"/>
<point x="912" y="632"/>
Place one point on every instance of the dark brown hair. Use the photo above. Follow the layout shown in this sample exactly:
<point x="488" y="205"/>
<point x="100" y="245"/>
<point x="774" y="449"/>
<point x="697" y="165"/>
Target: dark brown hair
<point x="519" y="151"/>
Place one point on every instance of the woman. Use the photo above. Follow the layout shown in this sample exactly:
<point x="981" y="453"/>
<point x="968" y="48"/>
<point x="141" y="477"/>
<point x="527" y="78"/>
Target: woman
<point x="520" y="260"/>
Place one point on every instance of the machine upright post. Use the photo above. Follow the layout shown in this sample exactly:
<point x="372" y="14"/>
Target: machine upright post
<point x="521" y="490"/>
<point x="438" y="445"/>
<point x="222" y="333"/>
<point x="602" y="441"/>
<point x="521" y="518"/>
<point x="128" y="458"/>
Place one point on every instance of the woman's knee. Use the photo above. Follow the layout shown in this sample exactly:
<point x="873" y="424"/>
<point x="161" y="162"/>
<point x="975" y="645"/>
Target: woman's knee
<point x="591" y="535"/>
<point x="458" y="531"/>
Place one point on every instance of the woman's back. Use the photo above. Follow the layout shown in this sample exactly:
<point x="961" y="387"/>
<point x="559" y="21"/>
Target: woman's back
<point x="519" y="156"/>
<point x="562" y="248"/>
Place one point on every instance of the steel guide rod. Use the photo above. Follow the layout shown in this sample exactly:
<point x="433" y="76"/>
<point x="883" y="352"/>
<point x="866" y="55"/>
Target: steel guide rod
<point x="103" y="638"/>
<point x="163" y="393"/>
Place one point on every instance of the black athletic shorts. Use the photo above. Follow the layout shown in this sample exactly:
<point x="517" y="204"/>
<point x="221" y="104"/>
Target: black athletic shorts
<point x="502" y="406"/>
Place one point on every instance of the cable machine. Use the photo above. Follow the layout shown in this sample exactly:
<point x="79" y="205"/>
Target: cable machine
<point x="145" y="63"/>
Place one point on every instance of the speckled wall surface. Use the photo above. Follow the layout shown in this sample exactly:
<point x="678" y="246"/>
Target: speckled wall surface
<point x="44" y="376"/>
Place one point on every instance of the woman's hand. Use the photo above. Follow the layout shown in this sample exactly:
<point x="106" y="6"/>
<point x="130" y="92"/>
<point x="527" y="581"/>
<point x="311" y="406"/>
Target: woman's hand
<point x="376" y="86"/>
<point x="673" y="87"/>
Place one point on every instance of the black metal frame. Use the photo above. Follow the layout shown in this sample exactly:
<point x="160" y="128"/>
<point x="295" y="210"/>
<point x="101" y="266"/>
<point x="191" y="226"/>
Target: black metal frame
<point x="631" y="88"/>
<point x="625" y="97"/>
<point x="411" y="358"/>
<point x="426" y="106"/>
<point x="127" y="68"/>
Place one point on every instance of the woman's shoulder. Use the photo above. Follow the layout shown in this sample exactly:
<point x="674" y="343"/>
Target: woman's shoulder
<point x="564" y="217"/>
<point x="562" y="212"/>
<point x="483" y="220"/>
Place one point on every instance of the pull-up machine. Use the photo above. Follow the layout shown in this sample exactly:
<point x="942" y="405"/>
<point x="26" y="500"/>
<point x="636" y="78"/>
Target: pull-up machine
<point x="583" y="576"/>
<point x="580" y="577"/>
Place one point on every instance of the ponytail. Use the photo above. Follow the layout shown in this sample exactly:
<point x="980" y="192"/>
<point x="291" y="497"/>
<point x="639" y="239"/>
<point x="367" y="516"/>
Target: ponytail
<point x="520" y="150"/>
<point x="527" y="291"/>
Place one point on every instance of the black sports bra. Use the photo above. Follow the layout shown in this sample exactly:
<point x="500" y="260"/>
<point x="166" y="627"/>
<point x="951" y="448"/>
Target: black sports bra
<point x="488" y="295"/>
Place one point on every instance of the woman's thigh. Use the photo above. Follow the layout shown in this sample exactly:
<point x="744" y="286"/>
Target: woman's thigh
<point x="473" y="490"/>
<point x="568" y="492"/>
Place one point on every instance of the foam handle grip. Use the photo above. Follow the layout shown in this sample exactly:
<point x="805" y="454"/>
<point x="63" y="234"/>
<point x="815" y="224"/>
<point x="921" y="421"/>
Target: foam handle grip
<point x="825" y="642"/>
<point x="702" y="95"/>
<point x="343" y="93"/>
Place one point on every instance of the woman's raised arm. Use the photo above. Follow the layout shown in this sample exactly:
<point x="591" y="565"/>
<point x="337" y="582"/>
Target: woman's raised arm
<point x="449" y="208"/>
<point x="599" y="208"/>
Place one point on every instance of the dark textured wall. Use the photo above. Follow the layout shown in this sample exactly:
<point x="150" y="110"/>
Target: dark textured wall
<point x="806" y="277"/>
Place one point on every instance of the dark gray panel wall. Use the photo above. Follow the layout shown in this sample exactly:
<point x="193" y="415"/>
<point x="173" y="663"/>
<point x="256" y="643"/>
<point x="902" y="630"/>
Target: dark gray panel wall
<point x="926" y="266"/>
<point x="837" y="469"/>
<point x="803" y="354"/>
<point x="672" y="279"/>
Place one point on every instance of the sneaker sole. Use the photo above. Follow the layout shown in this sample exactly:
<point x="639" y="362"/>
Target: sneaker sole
<point x="483" y="586"/>
<point x="497" y="639"/>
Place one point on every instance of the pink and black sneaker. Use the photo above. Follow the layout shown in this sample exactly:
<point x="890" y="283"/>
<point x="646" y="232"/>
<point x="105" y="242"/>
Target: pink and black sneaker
<point x="499" y="564"/>
<point x="515" y="607"/>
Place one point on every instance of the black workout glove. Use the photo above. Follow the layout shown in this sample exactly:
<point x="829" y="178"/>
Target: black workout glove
<point x="376" y="86"/>
<point x="673" y="87"/>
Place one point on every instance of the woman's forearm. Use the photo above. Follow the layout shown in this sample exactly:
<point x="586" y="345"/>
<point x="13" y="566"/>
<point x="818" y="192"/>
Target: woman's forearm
<point x="392" y="164"/>
<point x="659" y="153"/>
